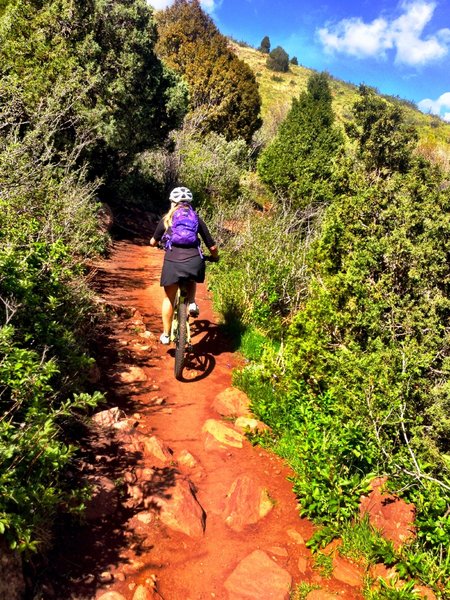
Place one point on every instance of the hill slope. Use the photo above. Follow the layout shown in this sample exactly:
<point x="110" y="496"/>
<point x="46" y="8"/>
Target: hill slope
<point x="278" y="89"/>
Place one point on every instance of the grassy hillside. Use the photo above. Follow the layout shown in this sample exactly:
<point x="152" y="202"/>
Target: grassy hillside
<point x="277" y="90"/>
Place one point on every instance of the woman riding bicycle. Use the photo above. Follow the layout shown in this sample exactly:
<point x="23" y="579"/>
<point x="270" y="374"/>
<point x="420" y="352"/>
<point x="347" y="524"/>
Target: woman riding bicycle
<point x="183" y="258"/>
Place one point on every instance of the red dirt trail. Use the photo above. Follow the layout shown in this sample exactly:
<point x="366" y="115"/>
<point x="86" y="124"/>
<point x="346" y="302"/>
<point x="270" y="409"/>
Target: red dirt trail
<point x="130" y="551"/>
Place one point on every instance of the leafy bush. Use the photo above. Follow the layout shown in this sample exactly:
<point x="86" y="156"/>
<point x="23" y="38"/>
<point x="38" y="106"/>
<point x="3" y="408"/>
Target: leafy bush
<point x="48" y="226"/>
<point x="209" y="165"/>
<point x="262" y="274"/>
<point x="360" y="383"/>
<point x="331" y="458"/>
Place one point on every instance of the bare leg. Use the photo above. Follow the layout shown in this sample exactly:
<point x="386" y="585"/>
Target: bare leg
<point x="167" y="306"/>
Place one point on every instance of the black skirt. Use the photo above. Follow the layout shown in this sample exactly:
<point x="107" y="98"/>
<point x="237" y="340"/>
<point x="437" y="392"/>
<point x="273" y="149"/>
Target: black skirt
<point x="174" y="271"/>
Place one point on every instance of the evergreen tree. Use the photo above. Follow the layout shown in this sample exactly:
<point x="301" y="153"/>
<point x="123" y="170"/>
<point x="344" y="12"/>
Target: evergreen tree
<point x="294" y="61"/>
<point x="224" y="94"/>
<point x="278" y="60"/>
<point x="299" y="161"/>
<point x="386" y="140"/>
<point x="265" y="45"/>
<point x="126" y="98"/>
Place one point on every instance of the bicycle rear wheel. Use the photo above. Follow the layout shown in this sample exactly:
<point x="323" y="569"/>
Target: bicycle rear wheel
<point x="181" y="339"/>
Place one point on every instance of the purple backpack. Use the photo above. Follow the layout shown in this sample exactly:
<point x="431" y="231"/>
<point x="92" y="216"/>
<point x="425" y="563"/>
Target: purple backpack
<point x="184" y="228"/>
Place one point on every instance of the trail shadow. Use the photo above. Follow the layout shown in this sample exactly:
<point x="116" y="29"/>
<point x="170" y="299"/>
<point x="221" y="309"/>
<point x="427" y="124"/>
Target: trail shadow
<point x="212" y="342"/>
<point x="86" y="550"/>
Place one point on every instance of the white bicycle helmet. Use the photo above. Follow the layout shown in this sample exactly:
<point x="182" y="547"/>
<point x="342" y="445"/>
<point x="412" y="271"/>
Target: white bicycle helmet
<point x="180" y="194"/>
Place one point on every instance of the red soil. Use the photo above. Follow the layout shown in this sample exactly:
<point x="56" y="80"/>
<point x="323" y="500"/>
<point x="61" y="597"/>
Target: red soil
<point x="131" y="546"/>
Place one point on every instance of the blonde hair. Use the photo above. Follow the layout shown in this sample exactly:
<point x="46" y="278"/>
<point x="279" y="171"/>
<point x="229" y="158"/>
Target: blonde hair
<point x="167" y="219"/>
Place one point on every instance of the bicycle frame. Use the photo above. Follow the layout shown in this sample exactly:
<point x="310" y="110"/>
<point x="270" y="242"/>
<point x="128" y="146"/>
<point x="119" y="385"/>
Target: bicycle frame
<point x="180" y="332"/>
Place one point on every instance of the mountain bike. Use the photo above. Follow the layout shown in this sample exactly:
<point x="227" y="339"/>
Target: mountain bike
<point x="180" y="332"/>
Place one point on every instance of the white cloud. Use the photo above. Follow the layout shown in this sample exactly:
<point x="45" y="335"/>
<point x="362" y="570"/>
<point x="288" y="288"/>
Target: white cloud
<point x="208" y="5"/>
<point x="353" y="36"/>
<point x="404" y="35"/>
<point x="437" y="107"/>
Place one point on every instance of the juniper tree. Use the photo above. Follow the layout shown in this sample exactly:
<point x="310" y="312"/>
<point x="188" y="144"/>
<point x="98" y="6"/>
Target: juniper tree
<point x="265" y="45"/>
<point x="224" y="94"/>
<point x="299" y="161"/>
<point x="278" y="60"/>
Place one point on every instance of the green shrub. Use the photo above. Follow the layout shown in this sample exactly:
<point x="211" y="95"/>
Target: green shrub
<point x="48" y="227"/>
<point x="261" y="278"/>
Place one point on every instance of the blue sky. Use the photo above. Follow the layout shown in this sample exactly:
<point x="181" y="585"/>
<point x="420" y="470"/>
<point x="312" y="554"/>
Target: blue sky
<point x="401" y="48"/>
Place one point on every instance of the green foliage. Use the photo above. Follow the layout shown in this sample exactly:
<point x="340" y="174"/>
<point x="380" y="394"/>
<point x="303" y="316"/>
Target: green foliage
<point x="211" y="166"/>
<point x="294" y="61"/>
<point x="299" y="161"/>
<point x="385" y="140"/>
<point x="392" y="590"/>
<point x="265" y="45"/>
<point x="262" y="274"/>
<point x="323" y="563"/>
<point x="378" y="299"/>
<point x="278" y="60"/>
<point x="102" y="55"/>
<point x="360" y="384"/>
<point x="32" y="454"/>
<point x="365" y="545"/>
<point x="48" y="226"/>
<point x="223" y="92"/>
<point x="332" y="460"/>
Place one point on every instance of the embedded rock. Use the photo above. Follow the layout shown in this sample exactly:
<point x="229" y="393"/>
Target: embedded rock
<point x="104" y="500"/>
<point x="257" y="577"/>
<point x="250" y="424"/>
<point x="391" y="515"/>
<point x="179" y="509"/>
<point x="246" y="504"/>
<point x="143" y="593"/>
<point x="186" y="459"/>
<point x="155" y="448"/>
<point x="232" y="403"/>
<point x="220" y="436"/>
<point x="348" y="573"/>
<point x="111" y="596"/>
<point x="12" y="583"/>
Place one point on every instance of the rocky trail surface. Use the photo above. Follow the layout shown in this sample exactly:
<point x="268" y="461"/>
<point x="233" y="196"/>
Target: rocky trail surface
<point x="185" y="508"/>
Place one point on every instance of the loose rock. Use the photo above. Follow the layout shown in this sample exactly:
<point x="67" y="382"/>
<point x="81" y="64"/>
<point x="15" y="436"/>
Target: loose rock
<point x="107" y="418"/>
<point x="132" y="374"/>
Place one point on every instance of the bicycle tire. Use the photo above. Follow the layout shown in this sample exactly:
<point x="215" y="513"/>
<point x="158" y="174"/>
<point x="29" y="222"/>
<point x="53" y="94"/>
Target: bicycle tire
<point x="181" y="339"/>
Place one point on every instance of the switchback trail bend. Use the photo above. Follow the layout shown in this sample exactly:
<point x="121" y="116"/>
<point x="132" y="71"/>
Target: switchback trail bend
<point x="185" y="508"/>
